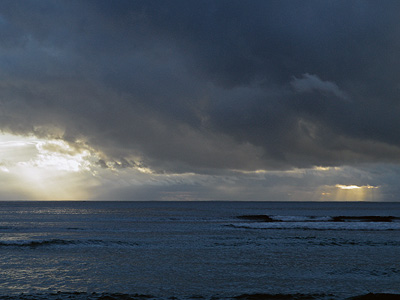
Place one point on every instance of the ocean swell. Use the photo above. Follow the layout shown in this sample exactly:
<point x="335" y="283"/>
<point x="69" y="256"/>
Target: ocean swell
<point x="62" y="242"/>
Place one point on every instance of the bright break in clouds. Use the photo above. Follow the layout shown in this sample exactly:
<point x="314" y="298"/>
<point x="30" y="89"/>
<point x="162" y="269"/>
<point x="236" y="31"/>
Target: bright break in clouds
<point x="200" y="100"/>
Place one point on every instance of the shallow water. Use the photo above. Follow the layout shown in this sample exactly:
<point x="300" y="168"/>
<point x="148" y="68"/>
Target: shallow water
<point x="186" y="249"/>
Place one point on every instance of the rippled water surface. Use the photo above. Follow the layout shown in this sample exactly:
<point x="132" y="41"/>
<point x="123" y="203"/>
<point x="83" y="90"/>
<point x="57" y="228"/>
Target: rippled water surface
<point x="183" y="249"/>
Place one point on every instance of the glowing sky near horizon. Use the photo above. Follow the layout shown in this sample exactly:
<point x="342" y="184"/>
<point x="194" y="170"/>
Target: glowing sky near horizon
<point x="209" y="100"/>
<point x="40" y="169"/>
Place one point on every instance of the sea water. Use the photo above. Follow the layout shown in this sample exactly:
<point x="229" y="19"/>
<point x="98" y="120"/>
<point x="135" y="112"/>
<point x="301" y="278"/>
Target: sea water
<point x="198" y="249"/>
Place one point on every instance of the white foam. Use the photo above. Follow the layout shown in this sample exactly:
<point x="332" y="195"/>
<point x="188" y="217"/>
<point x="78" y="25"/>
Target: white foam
<point x="301" y="218"/>
<point x="322" y="225"/>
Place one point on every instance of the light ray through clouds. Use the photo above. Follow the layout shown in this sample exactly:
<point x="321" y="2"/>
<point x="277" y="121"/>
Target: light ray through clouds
<point x="53" y="169"/>
<point x="43" y="169"/>
<point x="199" y="100"/>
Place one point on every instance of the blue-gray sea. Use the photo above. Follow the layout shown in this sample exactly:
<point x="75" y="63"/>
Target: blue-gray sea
<point x="95" y="250"/>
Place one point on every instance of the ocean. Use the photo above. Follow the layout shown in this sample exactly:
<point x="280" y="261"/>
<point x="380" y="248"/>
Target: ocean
<point x="198" y="250"/>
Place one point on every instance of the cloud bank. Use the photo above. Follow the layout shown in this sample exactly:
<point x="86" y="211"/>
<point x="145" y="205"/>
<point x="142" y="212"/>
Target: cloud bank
<point x="205" y="87"/>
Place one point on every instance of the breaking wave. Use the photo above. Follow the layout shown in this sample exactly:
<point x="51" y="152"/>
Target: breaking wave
<point x="319" y="223"/>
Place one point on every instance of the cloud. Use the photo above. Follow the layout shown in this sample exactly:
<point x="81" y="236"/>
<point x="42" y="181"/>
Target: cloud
<point x="205" y="87"/>
<point x="310" y="83"/>
<point x="317" y="184"/>
<point x="32" y="168"/>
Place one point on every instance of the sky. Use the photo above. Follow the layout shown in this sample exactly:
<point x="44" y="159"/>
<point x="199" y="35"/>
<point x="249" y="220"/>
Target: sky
<point x="200" y="100"/>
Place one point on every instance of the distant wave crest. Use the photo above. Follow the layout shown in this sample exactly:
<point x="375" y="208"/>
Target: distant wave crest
<point x="320" y="222"/>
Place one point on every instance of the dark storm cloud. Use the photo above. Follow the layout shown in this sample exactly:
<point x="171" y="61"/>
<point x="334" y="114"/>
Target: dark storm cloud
<point x="200" y="85"/>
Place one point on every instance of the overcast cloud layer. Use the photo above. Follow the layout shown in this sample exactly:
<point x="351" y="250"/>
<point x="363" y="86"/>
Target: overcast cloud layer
<point x="206" y="86"/>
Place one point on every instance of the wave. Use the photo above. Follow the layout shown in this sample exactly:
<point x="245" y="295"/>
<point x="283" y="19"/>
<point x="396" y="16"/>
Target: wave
<point x="78" y="296"/>
<point x="319" y="222"/>
<point x="267" y="218"/>
<point x="61" y="242"/>
<point x="320" y="226"/>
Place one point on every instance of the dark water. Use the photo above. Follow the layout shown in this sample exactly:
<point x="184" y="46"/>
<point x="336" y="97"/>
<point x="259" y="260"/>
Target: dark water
<point x="71" y="250"/>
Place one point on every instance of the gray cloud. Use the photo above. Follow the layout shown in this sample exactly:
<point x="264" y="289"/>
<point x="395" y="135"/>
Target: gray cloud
<point x="310" y="83"/>
<point x="375" y="182"/>
<point x="200" y="86"/>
